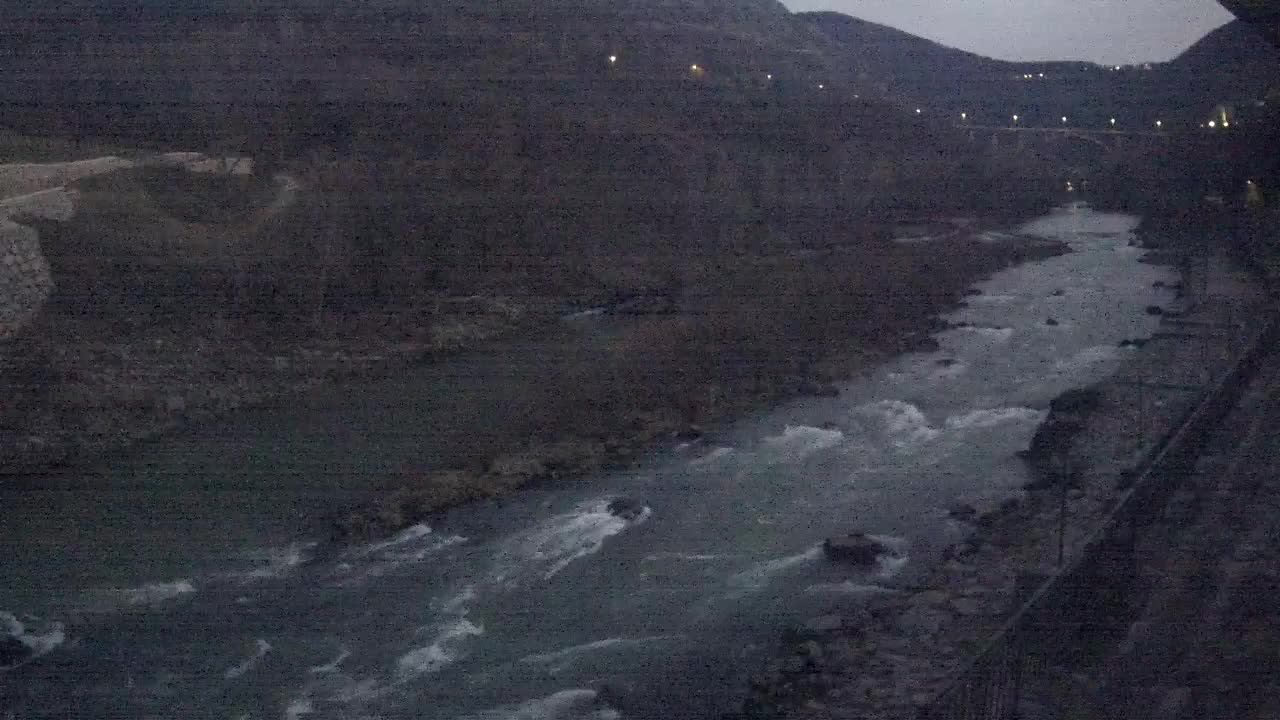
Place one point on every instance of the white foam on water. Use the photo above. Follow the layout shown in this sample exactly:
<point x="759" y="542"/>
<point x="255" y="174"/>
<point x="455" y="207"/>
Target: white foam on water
<point x="583" y="314"/>
<point x="154" y="593"/>
<point x="560" y="660"/>
<point x="711" y="457"/>
<point x="412" y="545"/>
<point x="690" y="557"/>
<point x="993" y="299"/>
<point x="995" y="416"/>
<point x="901" y="423"/>
<point x="331" y="666"/>
<point x="299" y="707"/>
<point x="848" y="587"/>
<point x="456" y="604"/>
<point x="263" y="647"/>
<point x="552" y="545"/>
<point x="890" y="565"/>
<point x="993" y="333"/>
<point x="993" y="236"/>
<point x="757" y="576"/>
<point x="577" y="704"/>
<point x="41" y="636"/>
<point x="444" y="649"/>
<point x="279" y="561"/>
<point x="408" y="535"/>
<point x="798" y="441"/>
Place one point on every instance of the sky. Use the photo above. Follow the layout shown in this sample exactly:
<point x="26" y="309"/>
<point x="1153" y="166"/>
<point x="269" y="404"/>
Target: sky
<point x="1104" y="31"/>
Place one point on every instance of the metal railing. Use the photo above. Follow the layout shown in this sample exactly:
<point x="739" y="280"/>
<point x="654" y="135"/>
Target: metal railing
<point x="1090" y="593"/>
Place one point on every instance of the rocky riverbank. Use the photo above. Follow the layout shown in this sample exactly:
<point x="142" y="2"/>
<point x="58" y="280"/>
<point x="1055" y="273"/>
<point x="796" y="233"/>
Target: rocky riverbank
<point x="891" y="655"/>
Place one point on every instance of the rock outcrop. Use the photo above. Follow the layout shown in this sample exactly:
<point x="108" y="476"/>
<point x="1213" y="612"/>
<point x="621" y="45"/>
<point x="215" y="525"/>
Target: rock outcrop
<point x="854" y="548"/>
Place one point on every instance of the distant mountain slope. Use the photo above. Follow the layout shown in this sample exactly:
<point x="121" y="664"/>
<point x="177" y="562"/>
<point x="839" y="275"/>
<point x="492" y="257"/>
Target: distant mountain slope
<point x="1232" y="65"/>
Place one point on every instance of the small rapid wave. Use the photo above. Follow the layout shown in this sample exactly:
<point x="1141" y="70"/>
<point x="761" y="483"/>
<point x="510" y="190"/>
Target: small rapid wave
<point x="331" y="666"/>
<point x="411" y="545"/>
<point x="798" y="441"/>
<point x="995" y="416"/>
<point x="891" y="563"/>
<point x="848" y="587"/>
<point x="278" y="562"/>
<point x="757" y="576"/>
<point x="900" y="423"/>
<point x="711" y="457"/>
<point x="443" y="650"/>
<point x="578" y="704"/>
<point x="299" y="708"/>
<point x="262" y="648"/>
<point x="998" y="334"/>
<point x="152" y="593"/>
<point x="559" y="660"/>
<point x="554" y="544"/>
<point x="39" y="637"/>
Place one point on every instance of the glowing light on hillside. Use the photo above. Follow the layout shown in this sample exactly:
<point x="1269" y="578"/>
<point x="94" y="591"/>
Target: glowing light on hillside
<point x="1041" y="74"/>
<point x="768" y="77"/>
<point x="964" y="116"/>
<point x="1159" y="123"/>
<point x="613" y="59"/>
<point x="694" y="67"/>
<point x="1117" y="68"/>
<point x="918" y="111"/>
<point x="822" y="87"/>
<point x="1015" y="118"/>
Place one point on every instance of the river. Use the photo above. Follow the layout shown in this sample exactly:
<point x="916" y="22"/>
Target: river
<point x="176" y="582"/>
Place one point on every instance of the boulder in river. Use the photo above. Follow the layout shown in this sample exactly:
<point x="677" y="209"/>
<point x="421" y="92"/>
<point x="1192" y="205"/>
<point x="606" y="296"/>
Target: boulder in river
<point x="689" y="433"/>
<point x="13" y="651"/>
<point x="856" y="548"/>
<point x="1051" y="322"/>
<point x="1155" y="310"/>
<point x="626" y="508"/>
<point x="964" y="512"/>
<point x="1058" y="293"/>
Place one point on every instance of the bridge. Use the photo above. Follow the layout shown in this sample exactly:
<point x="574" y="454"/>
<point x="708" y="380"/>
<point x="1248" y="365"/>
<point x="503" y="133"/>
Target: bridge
<point x="1108" y="139"/>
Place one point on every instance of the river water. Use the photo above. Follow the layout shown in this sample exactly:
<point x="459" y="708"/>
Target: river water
<point x="173" y="583"/>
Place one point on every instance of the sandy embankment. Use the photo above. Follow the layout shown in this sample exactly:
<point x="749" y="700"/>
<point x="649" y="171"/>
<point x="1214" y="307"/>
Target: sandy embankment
<point x="889" y="656"/>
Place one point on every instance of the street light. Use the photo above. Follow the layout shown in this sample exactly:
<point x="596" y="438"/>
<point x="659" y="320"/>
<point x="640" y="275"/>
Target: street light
<point x="918" y="111"/>
<point x="768" y="76"/>
<point x="1064" y="119"/>
<point x="1015" y="118"/>
<point x="1113" y="122"/>
<point x="964" y="116"/>
<point x="613" y="59"/>
<point x="1213" y="123"/>
<point x="1159" y="123"/>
